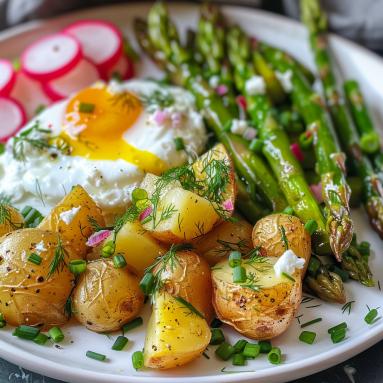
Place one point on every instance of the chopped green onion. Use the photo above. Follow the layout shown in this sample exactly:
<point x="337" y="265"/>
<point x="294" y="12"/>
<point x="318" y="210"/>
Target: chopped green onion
<point x="310" y="226"/>
<point x="313" y="266"/>
<point x="179" y="143"/>
<point x="32" y="217"/>
<point x="86" y="107"/>
<point x="265" y="346"/>
<point x="338" y="336"/>
<point x="217" y="336"/>
<point x="136" y="322"/>
<point x="288" y="210"/>
<point x="95" y="356"/>
<point x="340" y="326"/>
<point x="240" y="345"/>
<point x="56" y="334"/>
<point x="119" y="261"/>
<point x="35" y="258"/>
<point x="288" y="276"/>
<point x="120" y="343"/>
<point x="344" y="275"/>
<point x="275" y="356"/>
<point x="77" y="266"/>
<point x="138" y="360"/>
<point x="251" y="350"/>
<point x="239" y="360"/>
<point x="225" y="351"/>
<point x="41" y="339"/>
<point x="139" y="194"/>
<point x="26" y="332"/>
<point x="146" y="283"/>
<point x="215" y="323"/>
<point x="108" y="249"/>
<point x="307" y="337"/>
<point x="303" y="325"/>
<point x="235" y="258"/>
<point x="371" y="316"/>
<point x="256" y="145"/>
<point x="239" y="274"/>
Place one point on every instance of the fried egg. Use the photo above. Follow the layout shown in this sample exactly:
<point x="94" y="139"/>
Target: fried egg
<point x="105" y="138"/>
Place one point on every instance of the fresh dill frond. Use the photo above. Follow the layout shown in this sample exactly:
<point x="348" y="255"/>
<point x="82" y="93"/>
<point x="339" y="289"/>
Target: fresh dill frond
<point x="251" y="282"/>
<point x="347" y="307"/>
<point x="96" y="226"/>
<point x="125" y="100"/>
<point x="241" y="245"/>
<point x="189" y="306"/>
<point x="158" y="98"/>
<point x="5" y="212"/>
<point x="58" y="262"/>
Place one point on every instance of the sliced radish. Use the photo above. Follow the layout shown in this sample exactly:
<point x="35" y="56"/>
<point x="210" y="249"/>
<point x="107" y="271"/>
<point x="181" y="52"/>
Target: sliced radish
<point x="83" y="75"/>
<point x="29" y="93"/>
<point x="7" y="77"/>
<point x="12" y="117"/>
<point x="101" y="42"/>
<point x="51" y="57"/>
<point x="124" y="68"/>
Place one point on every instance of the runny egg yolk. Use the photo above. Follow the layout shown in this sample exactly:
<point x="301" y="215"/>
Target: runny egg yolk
<point x="95" y="123"/>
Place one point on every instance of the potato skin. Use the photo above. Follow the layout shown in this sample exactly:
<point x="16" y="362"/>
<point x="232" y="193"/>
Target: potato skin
<point x="15" y="221"/>
<point x="267" y="235"/>
<point x="105" y="297"/>
<point x="27" y="295"/>
<point x="190" y="278"/>
<point x="76" y="233"/>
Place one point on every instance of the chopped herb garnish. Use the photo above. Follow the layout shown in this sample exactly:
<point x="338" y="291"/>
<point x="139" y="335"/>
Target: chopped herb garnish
<point x="224" y="351"/>
<point x="303" y="325"/>
<point x="217" y="336"/>
<point x="26" y="332"/>
<point x="189" y="306"/>
<point x="371" y="316"/>
<point x="56" y="334"/>
<point x="347" y="307"/>
<point x="120" y="343"/>
<point x="77" y="266"/>
<point x="6" y="213"/>
<point x="136" y="322"/>
<point x="311" y="226"/>
<point x="86" y="107"/>
<point x="58" y="261"/>
<point x="283" y="237"/>
<point x="95" y="356"/>
<point x="179" y="143"/>
<point x="158" y="99"/>
<point x="307" y="337"/>
<point x="119" y="261"/>
<point x="35" y="258"/>
<point x="275" y="355"/>
<point x="338" y="327"/>
<point x="288" y="276"/>
<point x="138" y="360"/>
<point x="32" y="217"/>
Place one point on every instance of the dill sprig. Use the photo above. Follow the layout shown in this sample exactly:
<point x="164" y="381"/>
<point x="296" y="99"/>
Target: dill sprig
<point x="189" y="306"/>
<point x="158" y="98"/>
<point x="58" y="262"/>
<point x="226" y="246"/>
<point x="251" y="282"/>
<point x="96" y="226"/>
<point x="125" y="100"/>
<point x="256" y="260"/>
<point x="5" y="212"/>
<point x="347" y="307"/>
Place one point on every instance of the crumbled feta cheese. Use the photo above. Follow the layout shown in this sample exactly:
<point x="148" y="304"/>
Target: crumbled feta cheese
<point x="255" y="85"/>
<point x="214" y="81"/>
<point x="287" y="263"/>
<point x="39" y="248"/>
<point x="249" y="134"/>
<point x="285" y="80"/>
<point x="67" y="216"/>
<point x="238" y="126"/>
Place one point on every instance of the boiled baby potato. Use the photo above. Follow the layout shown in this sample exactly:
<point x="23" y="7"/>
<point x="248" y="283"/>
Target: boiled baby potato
<point x="10" y="219"/>
<point x="106" y="297"/>
<point x="268" y="235"/>
<point x="259" y="308"/>
<point x="226" y="237"/>
<point x="175" y="334"/>
<point x="71" y="218"/>
<point x="188" y="277"/>
<point x="34" y="294"/>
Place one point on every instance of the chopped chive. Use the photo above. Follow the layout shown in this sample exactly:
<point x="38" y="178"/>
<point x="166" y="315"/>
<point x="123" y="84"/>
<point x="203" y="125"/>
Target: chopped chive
<point x="139" y="194"/>
<point x="119" y="261"/>
<point x="240" y="345"/>
<point x="138" y="360"/>
<point x="239" y="360"/>
<point x="56" y="334"/>
<point x="338" y="335"/>
<point x="26" y="332"/>
<point x="225" y="351"/>
<point x="136" y="322"/>
<point x="95" y="356"/>
<point x="275" y="356"/>
<point x="108" y="249"/>
<point x="32" y="217"/>
<point x="288" y="276"/>
<point x="86" y="107"/>
<point x="41" y="339"/>
<point x="303" y="325"/>
<point x="77" y="266"/>
<point x="235" y="258"/>
<point x="35" y="258"/>
<point x="307" y="337"/>
<point x="265" y="346"/>
<point x="217" y="336"/>
<point x="146" y="283"/>
<point x="215" y="323"/>
<point x="179" y="143"/>
<point x="251" y="350"/>
<point x="371" y="316"/>
<point x="239" y="274"/>
<point x="340" y="326"/>
<point x="120" y="343"/>
<point x="311" y="226"/>
<point x="288" y="210"/>
<point x="256" y="145"/>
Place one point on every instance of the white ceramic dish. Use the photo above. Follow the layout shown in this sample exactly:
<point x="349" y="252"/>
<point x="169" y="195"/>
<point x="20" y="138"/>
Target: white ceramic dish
<point x="69" y="362"/>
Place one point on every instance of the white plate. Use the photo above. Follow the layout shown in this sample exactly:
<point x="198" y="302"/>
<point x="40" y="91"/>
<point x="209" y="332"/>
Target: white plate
<point x="70" y="363"/>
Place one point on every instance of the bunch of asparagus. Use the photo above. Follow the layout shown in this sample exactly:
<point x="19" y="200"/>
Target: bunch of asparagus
<point x="216" y="66"/>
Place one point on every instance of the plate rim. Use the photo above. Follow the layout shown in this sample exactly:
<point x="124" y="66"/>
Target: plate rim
<point x="289" y="371"/>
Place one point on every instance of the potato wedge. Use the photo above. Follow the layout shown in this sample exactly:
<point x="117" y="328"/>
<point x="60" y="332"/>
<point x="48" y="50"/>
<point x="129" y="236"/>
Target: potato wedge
<point x="175" y="335"/>
<point x="263" y="311"/>
<point x="188" y="277"/>
<point x="106" y="297"/>
<point x="10" y="220"/>
<point x="28" y="295"/>
<point x="226" y="237"/>
<point x="71" y="217"/>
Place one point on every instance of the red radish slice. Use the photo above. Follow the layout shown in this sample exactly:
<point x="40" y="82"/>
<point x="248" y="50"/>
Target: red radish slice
<point x="7" y="77"/>
<point x="12" y="117"/>
<point x="124" y="68"/>
<point x="51" y="57"/>
<point x="30" y="94"/>
<point x="83" y="75"/>
<point x="101" y="42"/>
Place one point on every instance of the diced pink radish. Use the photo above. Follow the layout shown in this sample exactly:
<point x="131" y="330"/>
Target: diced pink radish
<point x="29" y="93"/>
<point x="7" y="77"/>
<point x="101" y="42"/>
<point x="83" y="75"/>
<point x="51" y="57"/>
<point x="12" y="117"/>
<point x="124" y="68"/>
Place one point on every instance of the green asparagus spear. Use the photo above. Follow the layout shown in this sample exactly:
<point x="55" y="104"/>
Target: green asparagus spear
<point x="369" y="138"/>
